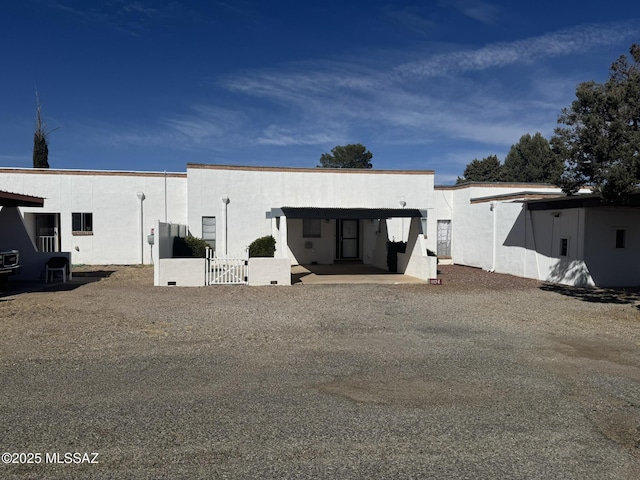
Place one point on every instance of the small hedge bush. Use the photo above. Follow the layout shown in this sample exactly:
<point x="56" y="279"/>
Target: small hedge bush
<point x="189" y="246"/>
<point x="263" y="247"/>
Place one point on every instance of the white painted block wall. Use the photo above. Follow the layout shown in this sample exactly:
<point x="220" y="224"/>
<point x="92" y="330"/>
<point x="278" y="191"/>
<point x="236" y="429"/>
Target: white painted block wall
<point x="112" y="199"/>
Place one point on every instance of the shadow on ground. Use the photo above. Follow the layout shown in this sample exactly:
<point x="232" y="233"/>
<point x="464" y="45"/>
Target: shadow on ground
<point x="620" y="296"/>
<point x="17" y="287"/>
<point x="298" y="272"/>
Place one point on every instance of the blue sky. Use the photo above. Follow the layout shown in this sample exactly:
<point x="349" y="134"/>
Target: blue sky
<point x="153" y="85"/>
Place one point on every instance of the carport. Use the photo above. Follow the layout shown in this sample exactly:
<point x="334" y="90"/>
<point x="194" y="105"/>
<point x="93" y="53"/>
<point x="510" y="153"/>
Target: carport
<point x="14" y="234"/>
<point x="348" y="245"/>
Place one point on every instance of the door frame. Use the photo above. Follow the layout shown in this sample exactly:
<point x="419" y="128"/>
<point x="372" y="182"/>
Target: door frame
<point x="340" y="239"/>
<point x="49" y="218"/>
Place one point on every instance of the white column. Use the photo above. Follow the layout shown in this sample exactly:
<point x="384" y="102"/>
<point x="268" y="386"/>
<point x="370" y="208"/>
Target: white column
<point x="284" y="244"/>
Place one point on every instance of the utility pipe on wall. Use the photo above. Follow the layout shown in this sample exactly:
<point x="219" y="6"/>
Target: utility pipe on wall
<point x="403" y="204"/>
<point x="165" y="196"/>
<point x="494" y="209"/>
<point x="141" y="197"/>
<point x="225" y="201"/>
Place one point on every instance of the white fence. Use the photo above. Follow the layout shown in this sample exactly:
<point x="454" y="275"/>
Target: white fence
<point x="226" y="269"/>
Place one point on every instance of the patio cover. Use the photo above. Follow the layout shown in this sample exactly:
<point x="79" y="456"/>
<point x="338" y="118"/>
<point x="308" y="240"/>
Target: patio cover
<point x="347" y="213"/>
<point x="582" y="201"/>
<point x="8" y="199"/>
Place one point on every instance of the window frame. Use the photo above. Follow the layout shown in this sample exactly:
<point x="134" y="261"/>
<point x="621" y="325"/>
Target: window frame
<point x="213" y="240"/>
<point x="311" y="228"/>
<point x="564" y="246"/>
<point x="84" y="220"/>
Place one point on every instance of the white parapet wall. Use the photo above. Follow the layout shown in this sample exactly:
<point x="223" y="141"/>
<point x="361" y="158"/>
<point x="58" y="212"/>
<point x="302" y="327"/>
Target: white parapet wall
<point x="181" y="272"/>
<point x="269" y="271"/>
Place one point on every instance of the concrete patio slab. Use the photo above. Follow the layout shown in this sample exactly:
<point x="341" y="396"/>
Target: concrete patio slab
<point x="348" y="274"/>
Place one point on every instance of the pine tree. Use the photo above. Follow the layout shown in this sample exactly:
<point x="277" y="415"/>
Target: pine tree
<point x="40" y="139"/>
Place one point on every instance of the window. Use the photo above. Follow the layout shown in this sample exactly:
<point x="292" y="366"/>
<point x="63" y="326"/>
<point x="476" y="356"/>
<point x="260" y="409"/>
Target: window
<point x="82" y="223"/>
<point x="564" y="247"/>
<point x="311" y="227"/>
<point x="209" y="231"/>
<point x="621" y="238"/>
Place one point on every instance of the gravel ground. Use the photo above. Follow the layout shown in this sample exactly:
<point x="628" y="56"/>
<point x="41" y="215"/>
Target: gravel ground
<point x="485" y="376"/>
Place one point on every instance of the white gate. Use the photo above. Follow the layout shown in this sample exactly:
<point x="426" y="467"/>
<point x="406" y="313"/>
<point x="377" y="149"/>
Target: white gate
<point x="48" y="243"/>
<point x="226" y="269"/>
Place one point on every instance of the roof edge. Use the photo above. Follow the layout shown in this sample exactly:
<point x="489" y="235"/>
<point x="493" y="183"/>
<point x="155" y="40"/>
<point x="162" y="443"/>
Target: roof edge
<point x="369" y="171"/>
<point x="58" y="171"/>
<point x="10" y="199"/>
<point x="523" y="196"/>
<point x="460" y="186"/>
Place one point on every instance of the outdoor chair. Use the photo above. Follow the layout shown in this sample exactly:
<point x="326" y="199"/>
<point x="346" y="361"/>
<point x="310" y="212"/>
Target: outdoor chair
<point x="57" y="264"/>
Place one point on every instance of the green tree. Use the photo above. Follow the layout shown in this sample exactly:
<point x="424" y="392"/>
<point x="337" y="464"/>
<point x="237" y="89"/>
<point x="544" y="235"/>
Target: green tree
<point x="531" y="160"/>
<point x="600" y="139"/>
<point x="347" y="156"/>
<point x="40" y="139"/>
<point x="488" y="169"/>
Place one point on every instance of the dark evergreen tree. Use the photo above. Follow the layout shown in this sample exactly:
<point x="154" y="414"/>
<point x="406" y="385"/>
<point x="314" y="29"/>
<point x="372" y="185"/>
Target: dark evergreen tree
<point x="531" y="160"/>
<point x="40" y="139"/>
<point x="347" y="156"/>
<point x="600" y="139"/>
<point x="488" y="169"/>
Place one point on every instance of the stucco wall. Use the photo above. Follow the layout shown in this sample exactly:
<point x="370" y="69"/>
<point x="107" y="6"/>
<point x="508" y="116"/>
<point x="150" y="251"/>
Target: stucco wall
<point x="321" y="249"/>
<point x="112" y="199"/>
<point x="608" y="265"/>
<point x="415" y="261"/>
<point x="473" y="240"/>
<point x="180" y="272"/>
<point x="269" y="271"/>
<point x="379" y="257"/>
<point x="254" y="191"/>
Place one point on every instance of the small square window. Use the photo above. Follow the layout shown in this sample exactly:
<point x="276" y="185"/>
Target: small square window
<point x="82" y="223"/>
<point x="564" y="247"/>
<point x="311" y="227"/>
<point x="621" y="238"/>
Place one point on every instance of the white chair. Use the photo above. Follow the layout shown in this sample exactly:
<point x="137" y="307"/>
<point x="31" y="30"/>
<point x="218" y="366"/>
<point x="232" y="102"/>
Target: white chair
<point x="57" y="264"/>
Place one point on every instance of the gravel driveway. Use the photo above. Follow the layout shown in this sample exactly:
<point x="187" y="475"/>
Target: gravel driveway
<point x="485" y="376"/>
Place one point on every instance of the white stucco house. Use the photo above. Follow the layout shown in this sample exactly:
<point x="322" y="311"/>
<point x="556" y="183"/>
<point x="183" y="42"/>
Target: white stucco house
<point x="533" y="231"/>
<point x="316" y="215"/>
<point x="328" y="216"/>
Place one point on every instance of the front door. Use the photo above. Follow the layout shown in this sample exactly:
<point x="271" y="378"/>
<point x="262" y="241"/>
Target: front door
<point x="348" y="239"/>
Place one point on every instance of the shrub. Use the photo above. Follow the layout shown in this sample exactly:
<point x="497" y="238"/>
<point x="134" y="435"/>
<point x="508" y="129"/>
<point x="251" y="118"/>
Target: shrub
<point x="263" y="247"/>
<point x="189" y="246"/>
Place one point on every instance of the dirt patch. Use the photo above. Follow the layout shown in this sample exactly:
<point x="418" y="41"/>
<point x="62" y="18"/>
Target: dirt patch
<point x="461" y="278"/>
<point x="411" y="392"/>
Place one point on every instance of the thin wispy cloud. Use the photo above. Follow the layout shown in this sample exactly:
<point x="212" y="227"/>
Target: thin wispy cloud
<point x="410" y="18"/>
<point x="278" y="136"/>
<point x="204" y="126"/>
<point x="135" y="17"/>
<point x="124" y="15"/>
<point x="423" y="98"/>
<point x="478" y="10"/>
<point x="564" y="42"/>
